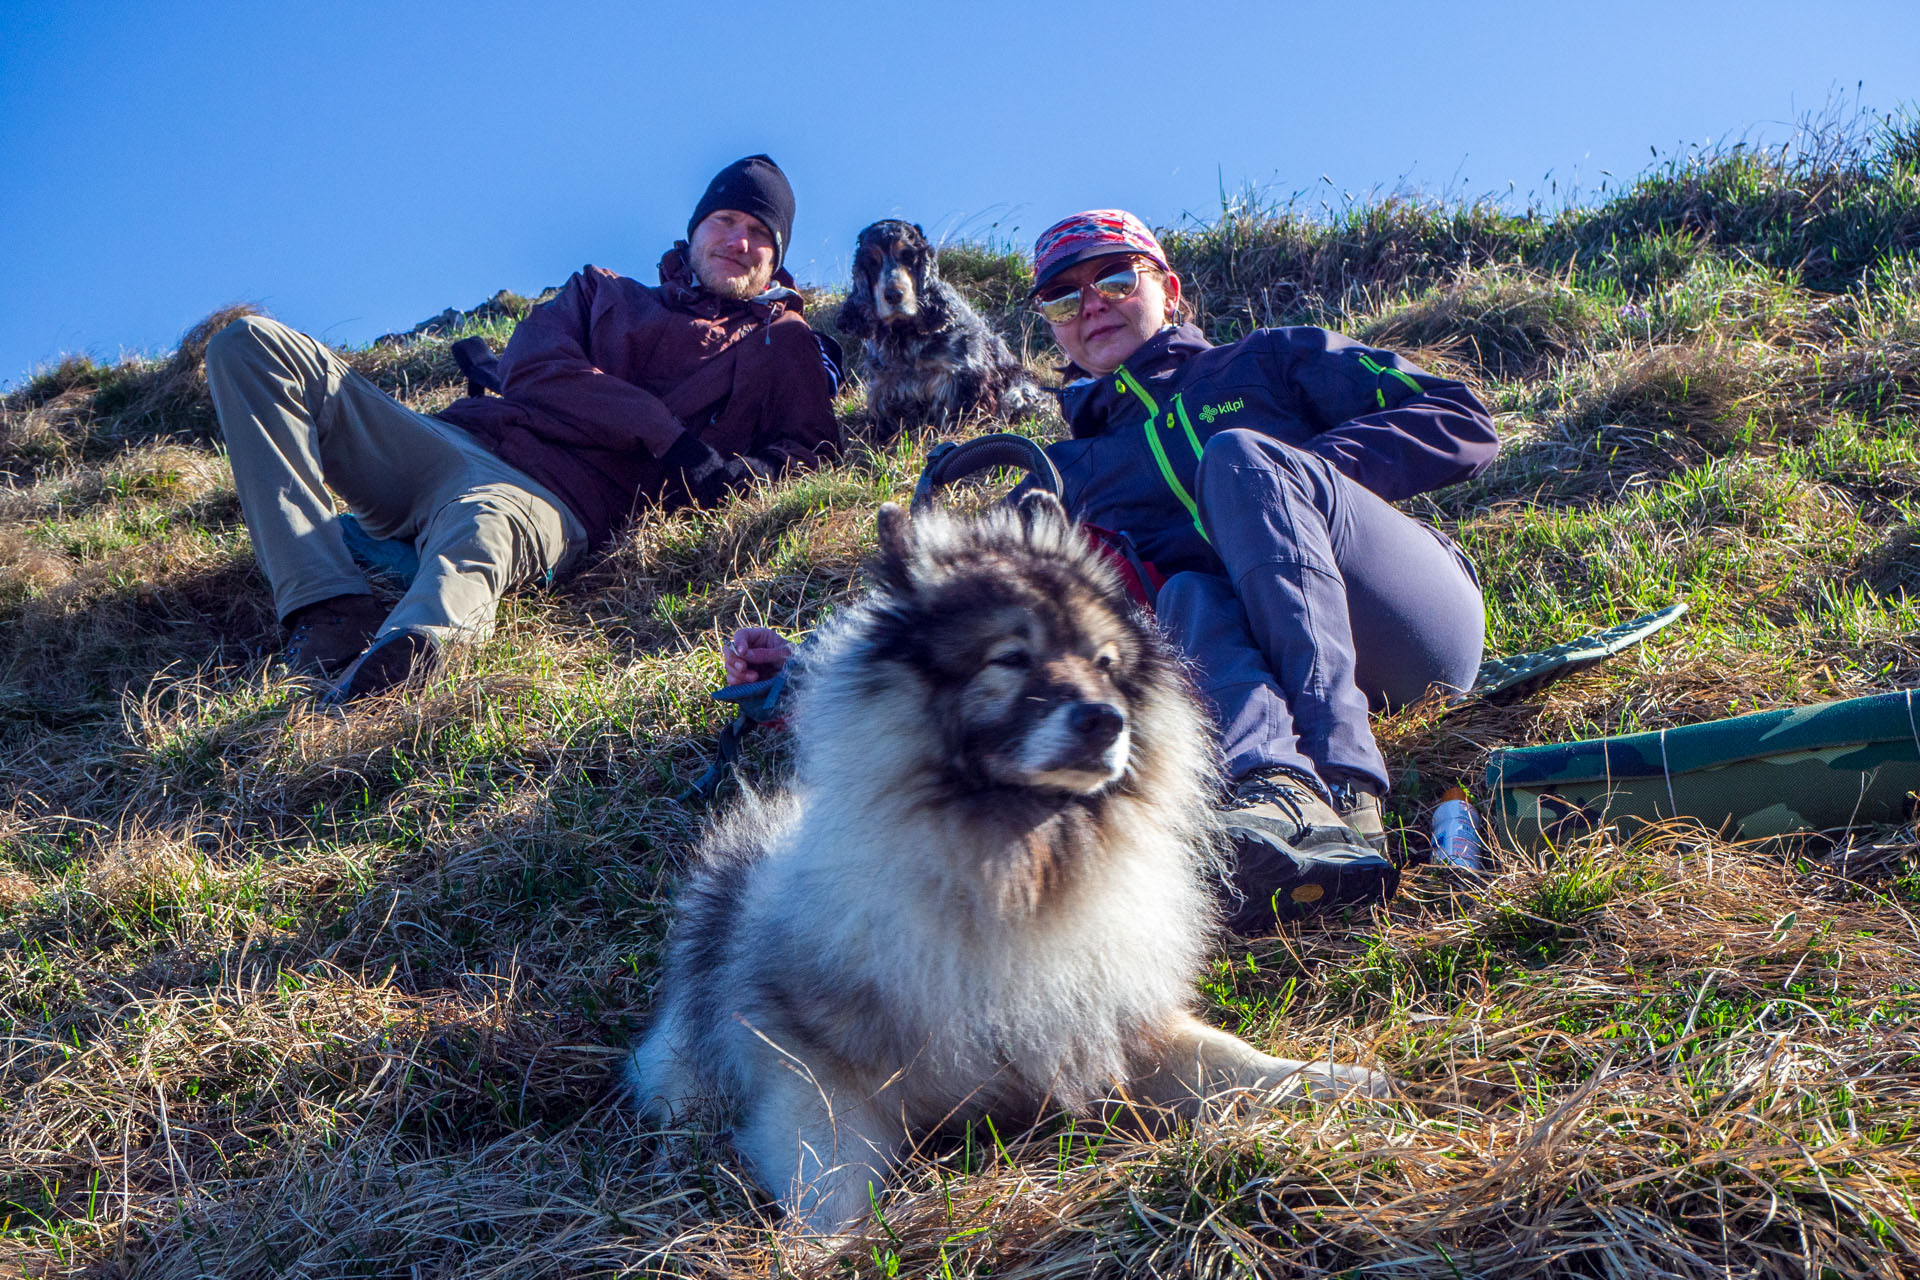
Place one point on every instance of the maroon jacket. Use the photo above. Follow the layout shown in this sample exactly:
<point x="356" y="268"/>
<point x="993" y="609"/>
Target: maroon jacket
<point x="599" y="381"/>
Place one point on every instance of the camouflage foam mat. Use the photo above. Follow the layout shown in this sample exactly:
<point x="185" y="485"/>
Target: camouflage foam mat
<point x="1817" y="768"/>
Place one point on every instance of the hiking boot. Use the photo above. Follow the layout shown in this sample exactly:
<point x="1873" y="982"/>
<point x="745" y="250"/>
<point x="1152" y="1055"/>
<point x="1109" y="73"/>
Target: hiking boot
<point x="324" y="637"/>
<point x="1293" y="854"/>
<point x="1359" y="807"/>
<point x="395" y="658"/>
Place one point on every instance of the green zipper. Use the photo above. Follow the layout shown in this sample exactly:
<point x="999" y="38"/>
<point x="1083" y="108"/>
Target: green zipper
<point x="1127" y="383"/>
<point x="1180" y="407"/>
<point x="1379" y="371"/>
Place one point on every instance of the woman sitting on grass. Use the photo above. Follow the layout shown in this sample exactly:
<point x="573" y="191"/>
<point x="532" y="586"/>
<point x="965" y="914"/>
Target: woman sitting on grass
<point x="1258" y="477"/>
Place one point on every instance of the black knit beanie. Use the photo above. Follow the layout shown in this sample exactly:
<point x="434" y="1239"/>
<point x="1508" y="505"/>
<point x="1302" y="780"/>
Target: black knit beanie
<point x="753" y="186"/>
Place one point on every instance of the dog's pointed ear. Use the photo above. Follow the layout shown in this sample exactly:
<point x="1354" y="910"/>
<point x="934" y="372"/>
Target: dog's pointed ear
<point x="1038" y="508"/>
<point x="921" y="232"/>
<point x="896" y="547"/>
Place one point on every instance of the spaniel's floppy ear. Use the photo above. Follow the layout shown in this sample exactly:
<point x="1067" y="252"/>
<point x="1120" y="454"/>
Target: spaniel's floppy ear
<point x="930" y="266"/>
<point x="936" y="296"/>
<point x="896" y="547"/>
<point x="856" y="318"/>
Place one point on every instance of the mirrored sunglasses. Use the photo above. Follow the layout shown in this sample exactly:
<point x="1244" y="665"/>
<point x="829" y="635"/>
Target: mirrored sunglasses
<point x="1061" y="303"/>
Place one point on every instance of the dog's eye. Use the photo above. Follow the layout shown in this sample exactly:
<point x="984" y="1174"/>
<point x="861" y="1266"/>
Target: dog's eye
<point x="1106" y="659"/>
<point x="1017" y="658"/>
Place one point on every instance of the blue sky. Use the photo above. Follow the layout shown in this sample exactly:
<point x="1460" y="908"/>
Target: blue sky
<point x="355" y="168"/>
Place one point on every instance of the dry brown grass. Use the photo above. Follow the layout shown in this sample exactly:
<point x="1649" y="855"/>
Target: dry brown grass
<point x="288" y="994"/>
<point x="82" y="409"/>
<point x="1623" y="1121"/>
<point x="1502" y="322"/>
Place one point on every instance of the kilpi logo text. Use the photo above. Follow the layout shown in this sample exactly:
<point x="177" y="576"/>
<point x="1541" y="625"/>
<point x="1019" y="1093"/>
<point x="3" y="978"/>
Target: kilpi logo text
<point x="1212" y="411"/>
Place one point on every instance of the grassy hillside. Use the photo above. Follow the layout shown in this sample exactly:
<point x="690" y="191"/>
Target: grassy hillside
<point x="284" y="994"/>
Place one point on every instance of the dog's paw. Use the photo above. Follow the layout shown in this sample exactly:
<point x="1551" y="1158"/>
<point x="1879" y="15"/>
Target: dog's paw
<point x="1290" y="1081"/>
<point x="1357" y="1082"/>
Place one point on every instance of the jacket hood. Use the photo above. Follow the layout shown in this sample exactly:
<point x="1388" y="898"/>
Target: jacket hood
<point x="1174" y="343"/>
<point x="1173" y="346"/>
<point x="681" y="291"/>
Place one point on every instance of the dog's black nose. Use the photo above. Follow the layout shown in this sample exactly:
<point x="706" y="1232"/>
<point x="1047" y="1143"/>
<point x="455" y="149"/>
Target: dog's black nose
<point x="1096" y="723"/>
<point x="892" y="295"/>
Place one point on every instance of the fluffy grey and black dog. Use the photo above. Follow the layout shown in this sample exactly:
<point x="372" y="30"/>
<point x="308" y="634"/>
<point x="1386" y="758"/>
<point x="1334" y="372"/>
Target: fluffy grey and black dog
<point x="931" y="359"/>
<point x="984" y="891"/>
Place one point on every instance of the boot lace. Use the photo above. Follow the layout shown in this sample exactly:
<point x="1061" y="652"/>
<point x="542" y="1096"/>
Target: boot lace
<point x="1279" y="788"/>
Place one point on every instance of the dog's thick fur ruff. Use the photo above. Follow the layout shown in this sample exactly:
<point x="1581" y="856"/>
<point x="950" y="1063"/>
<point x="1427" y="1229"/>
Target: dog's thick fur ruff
<point x="986" y="889"/>
<point x="931" y="360"/>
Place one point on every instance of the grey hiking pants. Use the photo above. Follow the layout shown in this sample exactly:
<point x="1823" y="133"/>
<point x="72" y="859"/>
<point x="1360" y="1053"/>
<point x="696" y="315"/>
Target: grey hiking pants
<point x="1332" y="603"/>
<point x="300" y="422"/>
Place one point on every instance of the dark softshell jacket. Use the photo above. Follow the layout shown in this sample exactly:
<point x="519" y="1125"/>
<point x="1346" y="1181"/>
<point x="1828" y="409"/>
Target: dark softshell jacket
<point x="1137" y="433"/>
<point x="599" y="381"/>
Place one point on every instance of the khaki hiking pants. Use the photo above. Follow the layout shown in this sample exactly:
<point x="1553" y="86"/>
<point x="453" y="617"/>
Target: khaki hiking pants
<point x="299" y="422"/>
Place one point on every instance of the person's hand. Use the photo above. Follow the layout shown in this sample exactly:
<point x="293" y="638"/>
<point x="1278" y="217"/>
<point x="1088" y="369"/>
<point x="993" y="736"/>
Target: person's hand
<point x="755" y="653"/>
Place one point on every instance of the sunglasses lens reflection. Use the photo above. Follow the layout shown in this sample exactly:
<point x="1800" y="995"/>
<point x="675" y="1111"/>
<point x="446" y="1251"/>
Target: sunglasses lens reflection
<point x="1058" y="310"/>
<point x="1116" y="286"/>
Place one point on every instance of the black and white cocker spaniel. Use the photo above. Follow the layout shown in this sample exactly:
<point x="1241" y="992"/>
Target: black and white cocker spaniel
<point x="931" y="360"/>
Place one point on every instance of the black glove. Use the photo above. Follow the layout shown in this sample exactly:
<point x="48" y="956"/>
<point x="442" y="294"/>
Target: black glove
<point x="707" y="476"/>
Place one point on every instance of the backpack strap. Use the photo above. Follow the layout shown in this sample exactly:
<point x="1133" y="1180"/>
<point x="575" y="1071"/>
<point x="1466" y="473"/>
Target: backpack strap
<point x="477" y="361"/>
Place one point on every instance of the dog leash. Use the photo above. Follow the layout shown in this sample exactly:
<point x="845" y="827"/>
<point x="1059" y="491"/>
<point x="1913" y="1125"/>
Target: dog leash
<point x="757" y="703"/>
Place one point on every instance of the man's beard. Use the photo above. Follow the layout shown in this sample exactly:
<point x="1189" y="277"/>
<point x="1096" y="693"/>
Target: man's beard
<point x="738" y="288"/>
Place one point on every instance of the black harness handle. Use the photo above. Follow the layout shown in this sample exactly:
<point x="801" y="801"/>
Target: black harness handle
<point x="955" y="460"/>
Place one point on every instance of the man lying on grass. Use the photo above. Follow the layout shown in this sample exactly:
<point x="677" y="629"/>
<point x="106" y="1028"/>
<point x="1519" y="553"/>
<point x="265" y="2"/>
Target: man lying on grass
<point x="615" y="395"/>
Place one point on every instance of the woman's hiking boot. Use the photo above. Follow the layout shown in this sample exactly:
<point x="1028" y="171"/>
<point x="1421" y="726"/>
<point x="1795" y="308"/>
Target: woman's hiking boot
<point x="1359" y="808"/>
<point x="1294" y="855"/>
<point x="395" y="658"/>
<point x="326" y="636"/>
